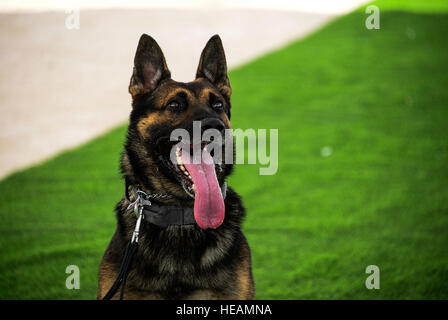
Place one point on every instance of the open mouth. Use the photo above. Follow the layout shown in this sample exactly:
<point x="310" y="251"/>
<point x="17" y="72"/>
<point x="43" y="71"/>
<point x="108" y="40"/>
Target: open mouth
<point x="184" y="175"/>
<point x="196" y="171"/>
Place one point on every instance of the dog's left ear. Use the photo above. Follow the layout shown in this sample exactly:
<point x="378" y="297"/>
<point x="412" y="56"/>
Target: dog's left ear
<point x="213" y="66"/>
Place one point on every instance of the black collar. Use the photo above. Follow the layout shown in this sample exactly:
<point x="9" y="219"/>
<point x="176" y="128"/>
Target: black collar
<point x="164" y="216"/>
<point x="161" y="215"/>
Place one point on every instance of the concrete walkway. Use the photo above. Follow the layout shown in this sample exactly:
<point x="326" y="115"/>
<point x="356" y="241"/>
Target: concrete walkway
<point x="60" y="87"/>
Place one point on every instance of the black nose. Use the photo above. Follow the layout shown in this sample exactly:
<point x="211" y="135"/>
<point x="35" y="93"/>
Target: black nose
<point x="212" y="123"/>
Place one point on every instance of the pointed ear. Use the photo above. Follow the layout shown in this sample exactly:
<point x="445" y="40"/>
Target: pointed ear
<point x="149" y="67"/>
<point x="213" y="66"/>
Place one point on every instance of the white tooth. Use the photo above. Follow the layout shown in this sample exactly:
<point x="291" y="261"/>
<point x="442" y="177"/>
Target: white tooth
<point x="192" y="186"/>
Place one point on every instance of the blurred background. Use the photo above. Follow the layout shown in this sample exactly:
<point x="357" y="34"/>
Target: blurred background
<point x="363" y="144"/>
<point x="74" y="58"/>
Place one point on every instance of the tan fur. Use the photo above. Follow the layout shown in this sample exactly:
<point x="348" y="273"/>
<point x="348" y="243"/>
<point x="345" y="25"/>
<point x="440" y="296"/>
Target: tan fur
<point x="174" y="93"/>
<point x="106" y="278"/>
<point x="245" y="281"/>
<point x="145" y="123"/>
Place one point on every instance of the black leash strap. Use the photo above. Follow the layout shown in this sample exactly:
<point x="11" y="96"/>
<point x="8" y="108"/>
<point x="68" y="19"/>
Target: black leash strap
<point x="131" y="249"/>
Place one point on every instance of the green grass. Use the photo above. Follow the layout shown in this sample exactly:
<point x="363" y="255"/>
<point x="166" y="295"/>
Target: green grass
<point x="378" y="98"/>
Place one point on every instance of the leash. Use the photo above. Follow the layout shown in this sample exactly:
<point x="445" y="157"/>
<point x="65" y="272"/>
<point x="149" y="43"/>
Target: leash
<point x="131" y="249"/>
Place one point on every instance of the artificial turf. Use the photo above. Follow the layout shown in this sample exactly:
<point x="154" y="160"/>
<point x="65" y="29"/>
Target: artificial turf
<point x="377" y="98"/>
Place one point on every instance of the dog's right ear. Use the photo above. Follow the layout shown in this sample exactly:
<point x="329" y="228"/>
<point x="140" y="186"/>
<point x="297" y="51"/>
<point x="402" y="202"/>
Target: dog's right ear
<point x="149" y="67"/>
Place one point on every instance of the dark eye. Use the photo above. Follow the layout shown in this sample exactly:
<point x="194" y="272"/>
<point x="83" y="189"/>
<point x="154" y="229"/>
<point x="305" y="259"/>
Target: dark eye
<point x="174" y="105"/>
<point x="218" y="105"/>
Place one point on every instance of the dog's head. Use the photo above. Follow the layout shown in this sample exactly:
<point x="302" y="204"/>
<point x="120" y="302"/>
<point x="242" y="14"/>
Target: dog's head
<point x="161" y="105"/>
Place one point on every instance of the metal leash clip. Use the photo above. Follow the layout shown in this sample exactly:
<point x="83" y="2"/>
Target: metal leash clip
<point x="137" y="224"/>
<point x="141" y="200"/>
<point x="138" y="205"/>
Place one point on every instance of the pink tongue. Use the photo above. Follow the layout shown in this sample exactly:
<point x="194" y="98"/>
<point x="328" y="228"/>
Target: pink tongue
<point x="208" y="204"/>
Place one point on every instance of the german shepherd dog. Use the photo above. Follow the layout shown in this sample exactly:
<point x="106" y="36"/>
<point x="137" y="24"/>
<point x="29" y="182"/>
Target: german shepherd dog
<point x="209" y="258"/>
